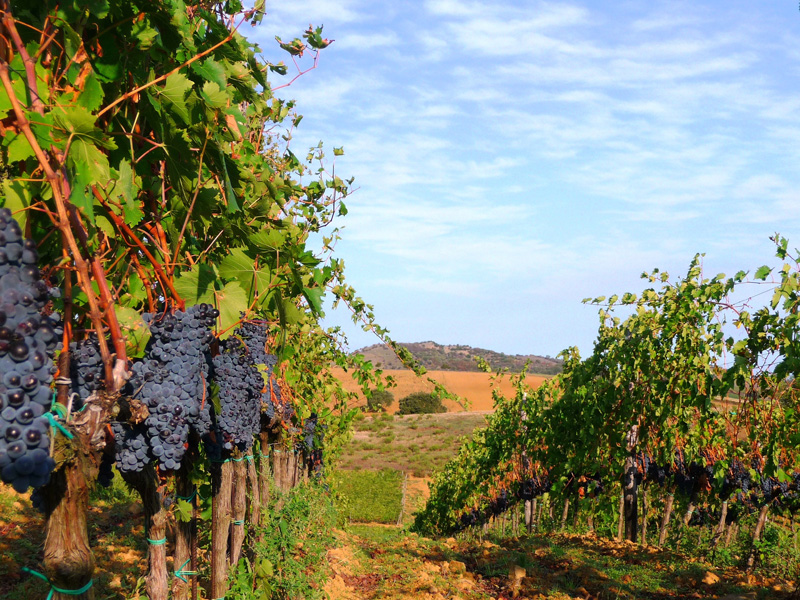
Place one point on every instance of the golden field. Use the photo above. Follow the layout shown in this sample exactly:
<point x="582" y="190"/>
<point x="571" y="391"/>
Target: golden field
<point x="475" y="387"/>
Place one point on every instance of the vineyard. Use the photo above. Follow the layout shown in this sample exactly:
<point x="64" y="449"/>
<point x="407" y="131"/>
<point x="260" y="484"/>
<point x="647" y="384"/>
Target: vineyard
<point x="161" y="298"/>
<point x="684" y="415"/>
<point x="159" y="301"/>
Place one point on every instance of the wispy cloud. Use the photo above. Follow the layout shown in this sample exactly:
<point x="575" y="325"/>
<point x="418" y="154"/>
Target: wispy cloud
<point x="553" y="150"/>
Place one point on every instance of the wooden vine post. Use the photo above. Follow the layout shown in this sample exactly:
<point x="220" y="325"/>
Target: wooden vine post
<point x="630" y="488"/>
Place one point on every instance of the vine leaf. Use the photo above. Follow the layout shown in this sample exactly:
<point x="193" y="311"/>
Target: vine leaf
<point x="196" y="286"/>
<point x="230" y="301"/>
<point x="210" y="70"/>
<point x="230" y="196"/>
<point x="213" y="95"/>
<point x="183" y="511"/>
<point x="124" y="188"/>
<point x="18" y="147"/>
<point x="762" y="273"/>
<point x="17" y="198"/>
<point x="238" y="265"/>
<point x="176" y="87"/>
<point x="92" y="96"/>
<point x="136" y="331"/>
<point x="314" y="296"/>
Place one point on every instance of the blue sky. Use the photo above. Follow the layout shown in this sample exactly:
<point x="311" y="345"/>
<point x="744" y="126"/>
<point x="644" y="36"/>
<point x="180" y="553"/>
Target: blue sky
<point x="512" y="158"/>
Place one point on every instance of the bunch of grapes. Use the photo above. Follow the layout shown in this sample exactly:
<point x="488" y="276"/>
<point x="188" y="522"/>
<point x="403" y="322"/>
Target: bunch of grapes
<point x="309" y="428"/>
<point x="86" y="367"/>
<point x="240" y="390"/>
<point x="255" y="337"/>
<point x="28" y="341"/>
<point x="131" y="451"/>
<point x="172" y="382"/>
<point x="105" y="474"/>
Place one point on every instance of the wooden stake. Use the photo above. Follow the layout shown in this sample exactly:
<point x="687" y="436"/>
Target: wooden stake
<point x="221" y="482"/>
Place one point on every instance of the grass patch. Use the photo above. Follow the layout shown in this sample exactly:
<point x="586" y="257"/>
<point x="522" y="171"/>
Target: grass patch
<point x="418" y="444"/>
<point x="370" y="496"/>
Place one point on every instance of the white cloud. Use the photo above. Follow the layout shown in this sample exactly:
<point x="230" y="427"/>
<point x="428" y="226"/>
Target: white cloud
<point x="555" y="150"/>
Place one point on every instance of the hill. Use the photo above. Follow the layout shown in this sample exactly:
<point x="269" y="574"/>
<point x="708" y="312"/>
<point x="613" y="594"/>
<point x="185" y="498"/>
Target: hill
<point x="475" y="387"/>
<point x="438" y="357"/>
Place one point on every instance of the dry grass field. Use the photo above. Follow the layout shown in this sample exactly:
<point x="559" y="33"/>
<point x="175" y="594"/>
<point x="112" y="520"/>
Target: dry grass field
<point x="475" y="387"/>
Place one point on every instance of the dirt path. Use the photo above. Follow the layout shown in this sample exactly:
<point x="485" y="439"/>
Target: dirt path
<point x="390" y="563"/>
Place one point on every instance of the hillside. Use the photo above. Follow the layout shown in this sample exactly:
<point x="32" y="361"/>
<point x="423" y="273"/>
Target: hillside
<point x="438" y="357"/>
<point x="475" y="387"/>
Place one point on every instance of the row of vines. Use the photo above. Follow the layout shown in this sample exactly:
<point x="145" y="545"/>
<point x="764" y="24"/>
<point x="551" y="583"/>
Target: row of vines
<point x="690" y="396"/>
<point x="159" y="296"/>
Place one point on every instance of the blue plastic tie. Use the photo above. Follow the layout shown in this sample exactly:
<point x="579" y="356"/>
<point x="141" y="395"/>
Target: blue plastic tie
<point x="54" y="589"/>
<point x="180" y="572"/>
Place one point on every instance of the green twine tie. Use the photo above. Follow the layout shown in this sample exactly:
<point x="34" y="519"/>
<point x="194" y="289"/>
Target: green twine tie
<point x="56" y="425"/>
<point x="60" y="411"/>
<point x="190" y="497"/>
<point x="160" y="542"/>
<point x="237" y="522"/>
<point x="227" y="460"/>
<point x="181" y="574"/>
<point x="58" y="408"/>
<point x="54" y="589"/>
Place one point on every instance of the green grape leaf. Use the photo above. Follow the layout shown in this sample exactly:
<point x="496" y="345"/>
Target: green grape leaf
<point x="210" y="70"/>
<point x="183" y="511"/>
<point x="144" y="33"/>
<point x="762" y="273"/>
<point x="91" y="97"/>
<point x="196" y="286"/>
<point x="18" y="147"/>
<point x="135" y="330"/>
<point x="238" y="265"/>
<point x="314" y="296"/>
<point x="213" y="95"/>
<point x="231" y="301"/>
<point x="17" y="197"/>
<point x="176" y="87"/>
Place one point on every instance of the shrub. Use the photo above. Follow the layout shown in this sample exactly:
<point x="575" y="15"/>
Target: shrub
<point x="421" y="403"/>
<point x="379" y="400"/>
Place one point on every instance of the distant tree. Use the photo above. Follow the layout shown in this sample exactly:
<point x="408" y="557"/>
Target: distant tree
<point x="421" y="403"/>
<point x="379" y="400"/>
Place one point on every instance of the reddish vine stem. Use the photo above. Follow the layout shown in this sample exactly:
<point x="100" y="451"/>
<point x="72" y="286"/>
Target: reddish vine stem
<point x="60" y="188"/>
<point x="190" y="209"/>
<point x="30" y="63"/>
<point x="123" y="226"/>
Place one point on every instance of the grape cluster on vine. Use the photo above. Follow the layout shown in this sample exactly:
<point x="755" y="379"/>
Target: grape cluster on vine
<point x="28" y="341"/>
<point x="240" y="391"/>
<point x="172" y="381"/>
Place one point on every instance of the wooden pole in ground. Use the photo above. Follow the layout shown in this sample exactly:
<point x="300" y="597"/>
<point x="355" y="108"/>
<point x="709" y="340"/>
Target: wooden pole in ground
<point x="732" y="530"/>
<point x="720" y="529"/>
<point x="565" y="514"/>
<point x="630" y="487"/>
<point x="662" y="534"/>
<point x="762" y="518"/>
<point x="685" y="522"/>
<point x="530" y="510"/>
<point x="221" y="481"/>
<point x="182" y="555"/>
<point x="644" y="515"/>
<point x="253" y="497"/>
<point x="239" y="509"/>
<point x="264" y="480"/>
<point x="155" y="518"/>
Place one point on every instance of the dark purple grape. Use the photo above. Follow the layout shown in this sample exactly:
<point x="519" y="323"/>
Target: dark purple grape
<point x="16" y="398"/>
<point x="19" y="351"/>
